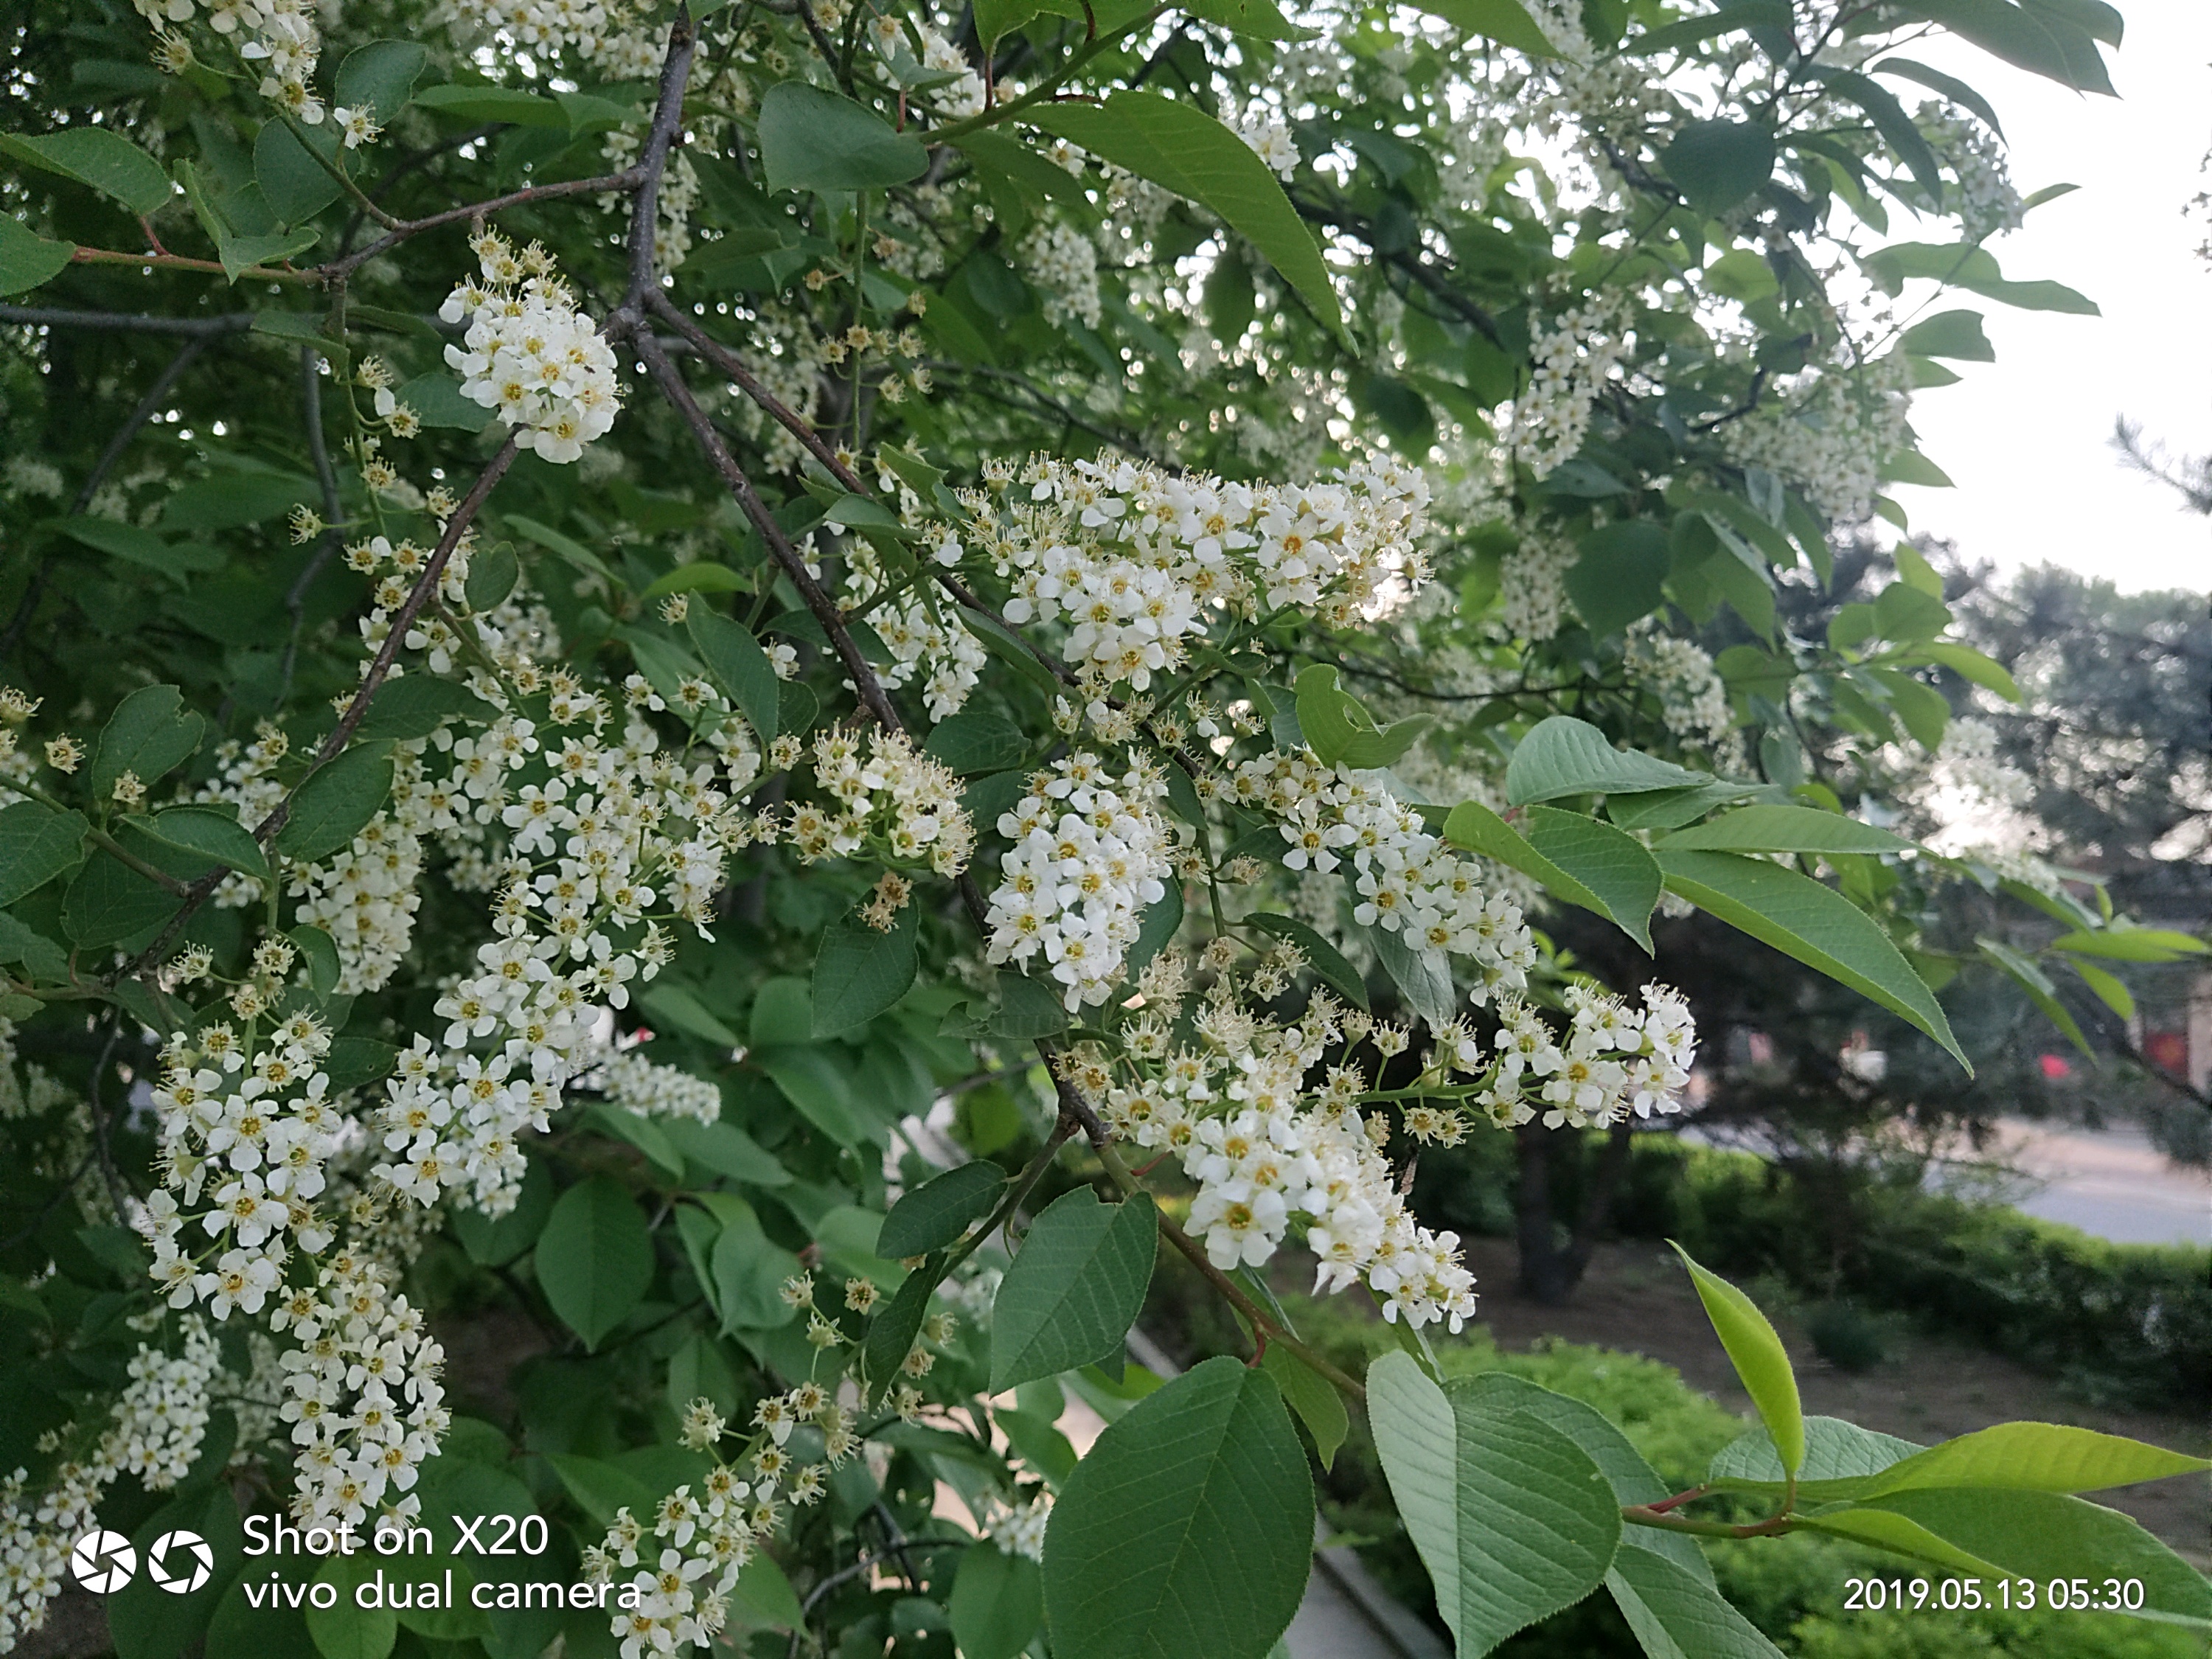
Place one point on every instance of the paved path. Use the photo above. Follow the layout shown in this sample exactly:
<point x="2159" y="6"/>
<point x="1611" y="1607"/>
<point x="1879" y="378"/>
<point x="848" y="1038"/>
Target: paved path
<point x="2110" y="1182"/>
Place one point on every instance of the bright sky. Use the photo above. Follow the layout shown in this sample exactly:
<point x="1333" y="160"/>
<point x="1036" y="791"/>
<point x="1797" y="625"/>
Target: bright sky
<point x="2024" y="438"/>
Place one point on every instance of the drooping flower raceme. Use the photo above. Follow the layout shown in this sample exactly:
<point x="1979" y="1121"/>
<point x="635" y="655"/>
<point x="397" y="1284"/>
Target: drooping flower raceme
<point x="1613" y="1061"/>
<point x="530" y="353"/>
<point x="1090" y="852"/>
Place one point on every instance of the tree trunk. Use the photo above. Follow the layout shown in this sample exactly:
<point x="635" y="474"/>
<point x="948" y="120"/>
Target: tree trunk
<point x="1549" y="1270"/>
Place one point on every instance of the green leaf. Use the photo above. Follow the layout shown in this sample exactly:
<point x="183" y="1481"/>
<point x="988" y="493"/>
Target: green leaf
<point x="1339" y="729"/>
<point x="1936" y="80"/>
<point x="764" y="1597"/>
<point x="486" y="103"/>
<point x="1476" y="827"/>
<point x="1760" y="1360"/>
<point x="1882" y="1530"/>
<point x="214" y="831"/>
<point x="1889" y="120"/>
<point x="892" y="1331"/>
<point x="1563" y="756"/>
<point x="2030" y="1457"/>
<point x="1970" y="266"/>
<point x="2110" y="990"/>
<point x="1670" y="809"/>
<point x="1075" y="1287"/>
<point x="39" y="955"/>
<point x="640" y="1132"/>
<point x="1186" y="1530"/>
<point x="1812" y="923"/>
<point x="1610" y="864"/>
<point x="1028" y="1008"/>
<point x="239" y="254"/>
<point x="1675" y="1615"/>
<point x="140" y="546"/>
<point x="727" y="1151"/>
<point x="1954" y="334"/>
<point x="940" y="1210"/>
<point x="1741" y="15"/>
<point x="749" y="1270"/>
<point x="336" y="803"/>
<point x="810" y="139"/>
<point x="492" y="575"/>
<point x="740" y="666"/>
<point x="106" y="160"/>
<point x="437" y="399"/>
<point x="1838" y="1457"/>
<point x="1718" y="164"/>
<point x="1506" y="21"/>
<point x="859" y="971"/>
<point x="293" y="182"/>
<point x="147" y="735"/>
<point x="1622" y="574"/>
<point x="1186" y="150"/>
<point x="675" y="1005"/>
<point x="2033" y="38"/>
<point x="600" y="1489"/>
<point x="2132" y="943"/>
<point x="701" y="576"/>
<point x="347" y="1630"/>
<point x="416" y="705"/>
<point x="1787" y="830"/>
<point x="28" y="259"/>
<point x="997" y="1603"/>
<point x="811" y="1081"/>
<point x="1513" y="1520"/>
<point x="979" y="738"/>
<point x="318" y="955"/>
<point x="1324" y="958"/>
<point x="109" y="901"/>
<point x="2024" y="972"/>
<point x="1422" y="976"/>
<point x="36" y="844"/>
<point x="1313" y="1397"/>
<point x="594" y="1259"/>
<point x="1970" y="665"/>
<point x="2042" y="1535"/>
<point x="381" y="76"/>
<point x="494" y="1241"/>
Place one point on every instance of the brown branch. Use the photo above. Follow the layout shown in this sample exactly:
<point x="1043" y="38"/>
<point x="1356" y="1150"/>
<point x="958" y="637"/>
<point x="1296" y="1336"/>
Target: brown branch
<point x="118" y="322"/>
<point x="611" y="184"/>
<point x="652" y="159"/>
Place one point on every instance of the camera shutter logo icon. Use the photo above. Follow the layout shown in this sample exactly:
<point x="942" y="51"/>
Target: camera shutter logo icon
<point x="103" y="1561"/>
<point x="179" y="1562"/>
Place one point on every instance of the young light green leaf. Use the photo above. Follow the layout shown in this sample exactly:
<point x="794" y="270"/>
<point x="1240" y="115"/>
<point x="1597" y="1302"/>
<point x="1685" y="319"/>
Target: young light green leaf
<point x="1676" y="1615"/>
<point x="106" y="160"/>
<point x="336" y="803"/>
<point x="998" y="1601"/>
<point x="739" y="666"/>
<point x="1324" y="958"/>
<point x="860" y="970"/>
<point x="1075" y="1287"/>
<point x="1760" y="1360"/>
<point x="1313" y="1397"/>
<point x="813" y="139"/>
<point x="2109" y="988"/>
<point x="26" y="259"/>
<point x="1186" y="1530"/>
<point x="1812" y="923"/>
<point x="1786" y="829"/>
<point x="1608" y="863"/>
<point x="940" y="1210"/>
<point x="1186" y="150"/>
<point x="1513" y="1520"/>
<point x="2032" y="1457"/>
<point x="1339" y="729"/>
<point x="2132" y="943"/>
<point x="1563" y="756"/>
<point x="594" y="1259"/>
<point x="36" y="844"/>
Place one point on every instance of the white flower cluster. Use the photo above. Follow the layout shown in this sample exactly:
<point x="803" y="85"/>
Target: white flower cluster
<point x="529" y="353"/>
<point x="634" y="1083"/>
<point x="1615" y="1060"/>
<point x="1532" y="586"/>
<point x="280" y="35"/>
<point x="246" y="1125"/>
<point x="891" y="804"/>
<point x="1265" y="1158"/>
<point x="1133" y="560"/>
<point x="1406" y="880"/>
<point x="1090" y="852"/>
<point x="1831" y="436"/>
<point x="960" y="95"/>
<point x="1062" y="264"/>
<point x="1574" y="358"/>
<point x="362" y="1393"/>
<point x="1989" y="205"/>
<point x="1018" y="1528"/>
<point x="675" y="1582"/>
<point x="154" y="1431"/>
<point x="1269" y="138"/>
<point x="919" y="635"/>
<point x="606" y="834"/>
<point x="1692" y="698"/>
